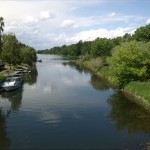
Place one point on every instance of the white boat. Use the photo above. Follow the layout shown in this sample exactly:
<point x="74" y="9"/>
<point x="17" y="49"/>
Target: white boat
<point x="12" y="83"/>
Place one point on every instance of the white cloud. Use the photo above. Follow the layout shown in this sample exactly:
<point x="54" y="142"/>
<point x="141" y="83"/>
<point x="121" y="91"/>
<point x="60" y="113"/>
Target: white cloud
<point x="112" y="14"/>
<point x="61" y="37"/>
<point x="44" y="24"/>
<point x="46" y="15"/>
<point x="69" y="24"/>
<point x="31" y="20"/>
<point x="148" y="21"/>
<point x="101" y="33"/>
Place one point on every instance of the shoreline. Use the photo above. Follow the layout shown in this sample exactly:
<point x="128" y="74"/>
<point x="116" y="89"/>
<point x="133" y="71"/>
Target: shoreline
<point x="139" y="100"/>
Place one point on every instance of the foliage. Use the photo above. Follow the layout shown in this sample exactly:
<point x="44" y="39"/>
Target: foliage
<point x="102" y="47"/>
<point x="109" y="75"/>
<point x="143" y="33"/>
<point x="1" y="30"/>
<point x="10" y="50"/>
<point x="15" y="53"/>
<point x="96" y="48"/>
<point x="130" y="61"/>
<point x="28" y="55"/>
<point x="86" y="48"/>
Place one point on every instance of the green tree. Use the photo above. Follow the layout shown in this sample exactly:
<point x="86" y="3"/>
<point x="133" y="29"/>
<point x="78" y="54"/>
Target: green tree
<point x="28" y="55"/>
<point x="130" y="61"/>
<point x="143" y="33"/>
<point x="1" y="30"/>
<point x="10" y="50"/>
<point x="102" y="47"/>
<point x="79" y="48"/>
<point x="86" y="48"/>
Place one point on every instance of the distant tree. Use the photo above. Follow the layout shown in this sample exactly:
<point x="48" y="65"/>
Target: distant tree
<point x="1" y="30"/>
<point x="86" y="48"/>
<point x="117" y="41"/>
<point x="130" y="61"/>
<point x="79" y="48"/>
<point x="63" y="50"/>
<point x="127" y="37"/>
<point x="102" y="47"/>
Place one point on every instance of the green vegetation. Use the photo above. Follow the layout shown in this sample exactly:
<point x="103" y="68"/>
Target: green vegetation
<point x="130" y="62"/>
<point x="140" y="89"/>
<point x="123" y="61"/>
<point x="1" y="30"/>
<point x="13" y="52"/>
<point x="143" y="34"/>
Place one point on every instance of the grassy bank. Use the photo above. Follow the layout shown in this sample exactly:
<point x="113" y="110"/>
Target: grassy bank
<point x="4" y="72"/>
<point x="98" y="67"/>
<point x="140" y="91"/>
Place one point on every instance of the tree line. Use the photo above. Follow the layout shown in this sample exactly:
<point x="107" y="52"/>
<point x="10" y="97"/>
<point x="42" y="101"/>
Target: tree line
<point x="96" y="48"/>
<point x="128" y="57"/>
<point x="14" y="52"/>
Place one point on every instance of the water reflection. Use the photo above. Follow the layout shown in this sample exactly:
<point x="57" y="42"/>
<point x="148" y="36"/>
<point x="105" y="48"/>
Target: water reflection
<point x="14" y="97"/>
<point x="68" y="108"/>
<point x="98" y="84"/>
<point x="125" y="113"/>
<point x="72" y="64"/>
<point x="32" y="77"/>
<point x="9" y="102"/>
<point x="14" y="101"/>
<point x="4" y="139"/>
<point x="128" y="116"/>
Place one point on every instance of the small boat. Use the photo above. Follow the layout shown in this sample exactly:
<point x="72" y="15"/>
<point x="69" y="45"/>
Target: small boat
<point x="12" y="83"/>
<point x="39" y="60"/>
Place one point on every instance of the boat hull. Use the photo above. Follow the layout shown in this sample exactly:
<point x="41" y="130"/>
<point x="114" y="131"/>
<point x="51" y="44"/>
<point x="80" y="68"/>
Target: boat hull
<point x="12" y="83"/>
<point x="11" y="88"/>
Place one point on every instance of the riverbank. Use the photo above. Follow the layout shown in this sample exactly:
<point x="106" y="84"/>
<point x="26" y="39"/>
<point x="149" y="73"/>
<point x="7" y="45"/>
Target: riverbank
<point x="137" y="91"/>
<point x="7" y="70"/>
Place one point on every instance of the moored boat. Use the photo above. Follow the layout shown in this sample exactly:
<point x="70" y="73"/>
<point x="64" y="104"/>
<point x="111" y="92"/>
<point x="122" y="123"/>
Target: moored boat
<point x="39" y="60"/>
<point x="12" y="83"/>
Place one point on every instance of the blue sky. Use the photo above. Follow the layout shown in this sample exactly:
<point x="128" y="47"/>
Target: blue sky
<point x="44" y="24"/>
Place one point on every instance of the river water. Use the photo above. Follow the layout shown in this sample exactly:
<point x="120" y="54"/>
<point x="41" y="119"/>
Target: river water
<point x="61" y="106"/>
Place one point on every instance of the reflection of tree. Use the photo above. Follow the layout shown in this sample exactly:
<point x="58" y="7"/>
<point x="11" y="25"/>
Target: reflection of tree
<point x="98" y="83"/>
<point x="128" y="115"/>
<point x="31" y="78"/>
<point x="14" y="97"/>
<point x="4" y="139"/>
<point x="80" y="69"/>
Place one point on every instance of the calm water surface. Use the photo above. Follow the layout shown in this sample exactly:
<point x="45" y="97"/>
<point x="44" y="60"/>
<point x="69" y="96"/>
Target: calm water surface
<point x="62" y="107"/>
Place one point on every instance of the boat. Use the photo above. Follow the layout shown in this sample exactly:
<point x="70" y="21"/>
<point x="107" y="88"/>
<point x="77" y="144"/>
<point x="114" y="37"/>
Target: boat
<point x="12" y="83"/>
<point x="39" y="60"/>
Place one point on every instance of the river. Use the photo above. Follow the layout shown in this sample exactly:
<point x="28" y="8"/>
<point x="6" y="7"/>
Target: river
<point x="62" y="106"/>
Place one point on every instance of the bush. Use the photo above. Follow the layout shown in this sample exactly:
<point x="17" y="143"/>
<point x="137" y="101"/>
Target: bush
<point x="129" y="62"/>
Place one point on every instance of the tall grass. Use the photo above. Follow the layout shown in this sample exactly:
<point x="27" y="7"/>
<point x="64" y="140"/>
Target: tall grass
<point x="140" y="89"/>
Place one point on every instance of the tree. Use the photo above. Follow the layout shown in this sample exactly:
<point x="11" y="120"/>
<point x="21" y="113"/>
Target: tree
<point x="102" y="47"/>
<point x="1" y="30"/>
<point x="86" y="48"/>
<point x="11" y="50"/>
<point x="143" y="33"/>
<point x="130" y="61"/>
<point x="28" y="55"/>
